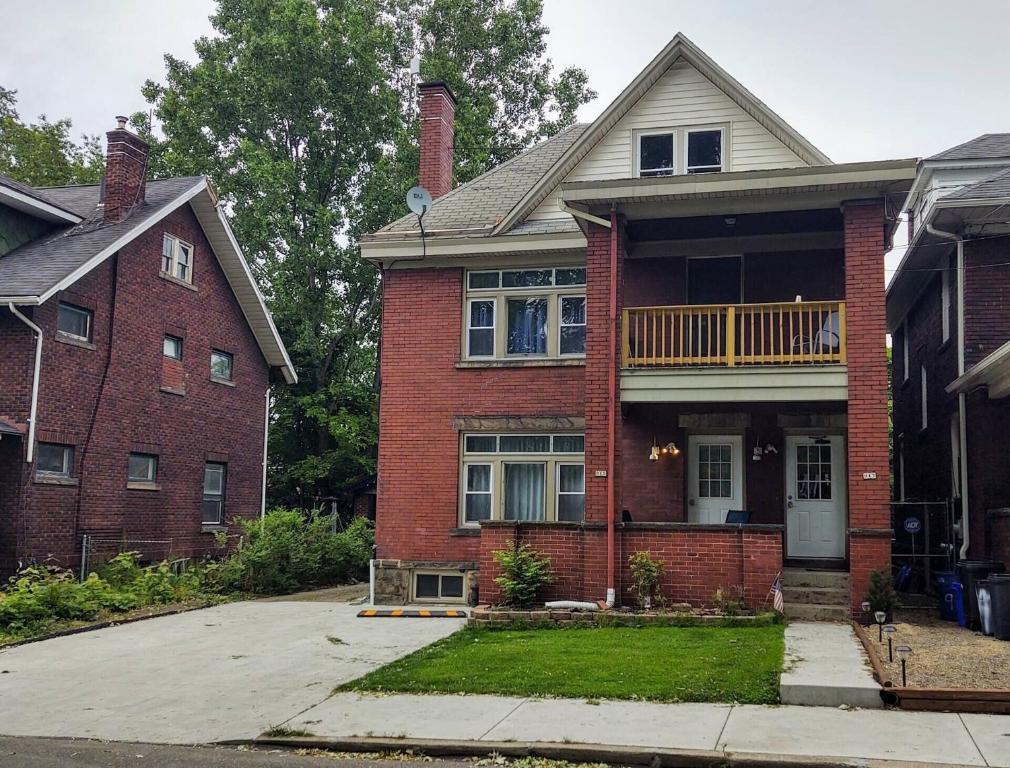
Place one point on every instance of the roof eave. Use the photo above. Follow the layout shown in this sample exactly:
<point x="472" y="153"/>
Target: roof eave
<point x="38" y="208"/>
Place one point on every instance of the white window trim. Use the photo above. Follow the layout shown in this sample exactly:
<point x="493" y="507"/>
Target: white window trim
<point x="440" y="598"/>
<point x="923" y="385"/>
<point x="550" y="459"/>
<point x="493" y="327"/>
<point x="673" y="133"/>
<point x="552" y="293"/>
<point x="558" y="493"/>
<point x="722" y="146"/>
<point x="173" y="257"/>
<point x="467" y="492"/>
<point x="945" y="304"/>
<point x="88" y="314"/>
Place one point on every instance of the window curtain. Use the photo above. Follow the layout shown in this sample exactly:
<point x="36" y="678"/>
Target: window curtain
<point x="524" y="491"/>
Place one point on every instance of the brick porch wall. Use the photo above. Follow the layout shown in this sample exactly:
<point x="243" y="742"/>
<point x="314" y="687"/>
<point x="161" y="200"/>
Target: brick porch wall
<point x="869" y="515"/>
<point x="697" y="559"/>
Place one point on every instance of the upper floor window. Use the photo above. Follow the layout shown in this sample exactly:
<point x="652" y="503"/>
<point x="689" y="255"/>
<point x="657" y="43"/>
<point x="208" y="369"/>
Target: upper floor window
<point x="74" y="321"/>
<point x="177" y="258"/>
<point x="518" y="313"/>
<point x="172" y="347"/>
<point x="54" y="460"/>
<point x="221" y="364"/>
<point x="701" y="150"/>
<point x="142" y="468"/>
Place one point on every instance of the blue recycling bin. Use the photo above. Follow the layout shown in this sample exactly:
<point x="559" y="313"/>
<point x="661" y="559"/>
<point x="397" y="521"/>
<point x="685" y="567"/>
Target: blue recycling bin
<point x="944" y="581"/>
<point x="960" y="605"/>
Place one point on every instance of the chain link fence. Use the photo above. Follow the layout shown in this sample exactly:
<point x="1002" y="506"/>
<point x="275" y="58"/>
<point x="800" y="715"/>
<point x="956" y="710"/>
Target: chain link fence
<point x="97" y="551"/>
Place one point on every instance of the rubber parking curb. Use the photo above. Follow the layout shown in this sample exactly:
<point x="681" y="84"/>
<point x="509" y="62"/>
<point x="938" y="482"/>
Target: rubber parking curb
<point x="411" y="613"/>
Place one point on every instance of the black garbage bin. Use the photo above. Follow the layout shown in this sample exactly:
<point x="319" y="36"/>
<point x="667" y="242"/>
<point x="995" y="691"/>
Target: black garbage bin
<point x="969" y="573"/>
<point x="999" y="593"/>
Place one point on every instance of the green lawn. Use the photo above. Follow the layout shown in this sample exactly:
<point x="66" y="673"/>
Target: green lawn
<point x="703" y="663"/>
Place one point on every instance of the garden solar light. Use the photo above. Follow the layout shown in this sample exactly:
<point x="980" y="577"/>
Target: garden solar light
<point x="890" y="630"/>
<point x="881" y="617"/>
<point x="865" y="605"/>
<point x="904" y="651"/>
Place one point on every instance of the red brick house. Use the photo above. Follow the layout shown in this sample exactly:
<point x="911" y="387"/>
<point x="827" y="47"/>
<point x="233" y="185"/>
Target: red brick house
<point x="948" y="308"/>
<point x="137" y="359"/>
<point x="660" y="331"/>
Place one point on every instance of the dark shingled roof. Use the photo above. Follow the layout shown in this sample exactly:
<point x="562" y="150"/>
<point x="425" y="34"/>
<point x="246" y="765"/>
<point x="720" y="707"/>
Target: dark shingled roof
<point x="484" y="201"/>
<point x="35" y="267"/>
<point x="996" y="186"/>
<point x="984" y="147"/>
<point x="37" y="194"/>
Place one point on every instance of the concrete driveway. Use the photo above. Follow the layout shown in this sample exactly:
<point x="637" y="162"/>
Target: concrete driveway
<point x="227" y="672"/>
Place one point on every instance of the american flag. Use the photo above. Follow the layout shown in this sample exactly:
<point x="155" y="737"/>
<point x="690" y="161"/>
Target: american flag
<point x="778" y="603"/>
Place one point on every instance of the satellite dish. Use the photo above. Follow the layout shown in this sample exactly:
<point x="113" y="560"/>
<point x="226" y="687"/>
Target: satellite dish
<point x="418" y="200"/>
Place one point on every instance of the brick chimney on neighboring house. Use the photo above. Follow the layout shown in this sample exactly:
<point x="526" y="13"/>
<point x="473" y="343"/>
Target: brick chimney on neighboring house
<point x="438" y="112"/>
<point x="125" y="170"/>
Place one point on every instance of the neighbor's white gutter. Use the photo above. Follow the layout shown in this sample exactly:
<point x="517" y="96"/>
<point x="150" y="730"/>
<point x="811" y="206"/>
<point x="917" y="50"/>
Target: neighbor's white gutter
<point x="962" y="401"/>
<point x="35" y="379"/>
<point x="266" y="434"/>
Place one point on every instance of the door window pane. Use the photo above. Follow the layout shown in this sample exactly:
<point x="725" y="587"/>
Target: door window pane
<point x="527" y="326"/>
<point x="524" y="491"/>
<point x="656" y="155"/>
<point x="573" y="325"/>
<point x="571" y="492"/>
<point x="704" y="151"/>
<point x="813" y="472"/>
<point x="74" y="321"/>
<point x="480" y="336"/>
<point x="715" y="471"/>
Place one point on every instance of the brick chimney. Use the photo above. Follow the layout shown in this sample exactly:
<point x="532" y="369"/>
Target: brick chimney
<point x="438" y="111"/>
<point x="125" y="171"/>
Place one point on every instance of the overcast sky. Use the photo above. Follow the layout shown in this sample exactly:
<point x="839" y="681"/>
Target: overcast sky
<point x="862" y="80"/>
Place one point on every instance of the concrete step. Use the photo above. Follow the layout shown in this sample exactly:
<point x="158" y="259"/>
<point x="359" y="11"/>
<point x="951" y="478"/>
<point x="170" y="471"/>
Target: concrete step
<point x="817" y="612"/>
<point x="802" y="577"/>
<point x="818" y="595"/>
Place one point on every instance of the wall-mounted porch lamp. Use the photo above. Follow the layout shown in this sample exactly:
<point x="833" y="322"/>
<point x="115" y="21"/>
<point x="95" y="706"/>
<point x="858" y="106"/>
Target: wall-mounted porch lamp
<point x="670" y="449"/>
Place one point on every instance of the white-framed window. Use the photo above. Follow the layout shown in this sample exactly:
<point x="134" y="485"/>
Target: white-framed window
<point x="904" y="351"/>
<point x="703" y="149"/>
<point x="214" y="478"/>
<point x="74" y="321"/>
<point x="522" y="476"/>
<point x="525" y="312"/>
<point x="172" y="347"/>
<point x="945" y="303"/>
<point x="441" y="586"/>
<point x="54" y="460"/>
<point x="176" y="258"/>
<point x="221" y="364"/>
<point x="142" y="468"/>
<point x="923" y="398"/>
<point x="657" y="153"/>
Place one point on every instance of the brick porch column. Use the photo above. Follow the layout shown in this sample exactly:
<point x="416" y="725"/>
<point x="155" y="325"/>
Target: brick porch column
<point x="598" y="329"/>
<point x="869" y="526"/>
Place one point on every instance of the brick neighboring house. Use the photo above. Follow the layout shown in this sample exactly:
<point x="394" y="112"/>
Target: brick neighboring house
<point x="660" y="331"/>
<point x="144" y="416"/>
<point x="948" y="308"/>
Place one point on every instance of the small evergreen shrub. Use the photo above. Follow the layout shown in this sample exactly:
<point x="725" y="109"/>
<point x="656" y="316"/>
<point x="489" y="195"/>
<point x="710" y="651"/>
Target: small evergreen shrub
<point x="646" y="575"/>
<point x="524" y="572"/>
<point x="880" y="594"/>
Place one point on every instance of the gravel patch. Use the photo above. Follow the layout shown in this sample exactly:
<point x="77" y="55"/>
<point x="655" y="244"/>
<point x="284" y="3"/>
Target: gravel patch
<point x="944" y="655"/>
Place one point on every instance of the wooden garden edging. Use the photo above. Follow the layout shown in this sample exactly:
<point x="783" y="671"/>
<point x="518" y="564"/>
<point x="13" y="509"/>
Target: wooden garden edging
<point x="994" y="701"/>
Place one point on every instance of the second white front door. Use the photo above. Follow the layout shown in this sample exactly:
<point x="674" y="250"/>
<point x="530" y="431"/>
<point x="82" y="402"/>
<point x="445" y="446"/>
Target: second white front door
<point x="715" y="477"/>
<point x="815" y="497"/>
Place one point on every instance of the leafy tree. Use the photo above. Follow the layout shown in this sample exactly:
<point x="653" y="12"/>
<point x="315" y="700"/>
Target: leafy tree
<point x="303" y="113"/>
<point x="43" y="154"/>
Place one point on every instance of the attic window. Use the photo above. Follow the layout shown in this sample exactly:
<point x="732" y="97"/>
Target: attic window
<point x="176" y="258"/>
<point x="704" y="151"/>
<point x="655" y="154"/>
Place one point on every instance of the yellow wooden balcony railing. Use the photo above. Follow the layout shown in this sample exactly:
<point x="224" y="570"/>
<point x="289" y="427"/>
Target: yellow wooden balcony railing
<point x="785" y="333"/>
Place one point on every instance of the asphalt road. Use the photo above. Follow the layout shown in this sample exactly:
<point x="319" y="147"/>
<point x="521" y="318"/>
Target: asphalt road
<point x="30" y="752"/>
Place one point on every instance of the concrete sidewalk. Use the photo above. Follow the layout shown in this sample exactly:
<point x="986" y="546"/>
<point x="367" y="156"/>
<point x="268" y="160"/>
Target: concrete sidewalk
<point x="708" y="730"/>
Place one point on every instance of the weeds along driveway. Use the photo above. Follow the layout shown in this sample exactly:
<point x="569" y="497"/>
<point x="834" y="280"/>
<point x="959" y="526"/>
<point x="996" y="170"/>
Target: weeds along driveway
<point x="226" y="672"/>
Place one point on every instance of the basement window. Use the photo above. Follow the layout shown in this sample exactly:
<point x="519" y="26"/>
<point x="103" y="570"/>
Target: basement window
<point x="440" y="587"/>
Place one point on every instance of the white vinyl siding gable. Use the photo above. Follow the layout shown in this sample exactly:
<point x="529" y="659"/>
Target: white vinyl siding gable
<point x="682" y="98"/>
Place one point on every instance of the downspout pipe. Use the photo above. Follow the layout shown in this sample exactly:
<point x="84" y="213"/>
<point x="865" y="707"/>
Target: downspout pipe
<point x="266" y="436"/>
<point x="962" y="398"/>
<point x="612" y="415"/>
<point x="33" y="413"/>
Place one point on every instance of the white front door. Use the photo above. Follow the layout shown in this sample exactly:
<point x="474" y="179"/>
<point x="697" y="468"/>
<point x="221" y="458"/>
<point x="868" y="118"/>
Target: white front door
<point x="715" y="477"/>
<point x="815" y="496"/>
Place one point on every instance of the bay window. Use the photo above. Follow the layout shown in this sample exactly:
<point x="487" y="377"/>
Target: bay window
<point x="523" y="477"/>
<point x="525" y="313"/>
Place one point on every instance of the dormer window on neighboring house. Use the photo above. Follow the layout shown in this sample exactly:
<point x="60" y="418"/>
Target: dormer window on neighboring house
<point x="701" y="151"/>
<point x="177" y="259"/>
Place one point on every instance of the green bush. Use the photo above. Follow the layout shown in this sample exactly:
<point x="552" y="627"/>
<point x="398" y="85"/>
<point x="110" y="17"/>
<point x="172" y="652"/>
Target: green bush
<point x="289" y="550"/>
<point x="524" y="573"/>
<point x="646" y="574"/>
